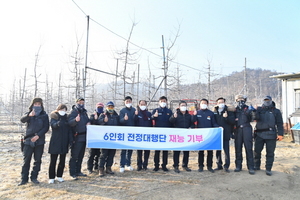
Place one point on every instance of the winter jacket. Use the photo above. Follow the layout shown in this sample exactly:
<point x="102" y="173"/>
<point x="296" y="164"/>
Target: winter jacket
<point x="93" y="120"/>
<point x="226" y="122"/>
<point x="36" y="125"/>
<point x="269" y="122"/>
<point x="130" y="113"/>
<point x="182" y="120"/>
<point x="61" y="134"/>
<point x="205" y="119"/>
<point x="140" y="121"/>
<point x="244" y="116"/>
<point x="163" y="119"/>
<point x="113" y="119"/>
<point x="78" y="128"/>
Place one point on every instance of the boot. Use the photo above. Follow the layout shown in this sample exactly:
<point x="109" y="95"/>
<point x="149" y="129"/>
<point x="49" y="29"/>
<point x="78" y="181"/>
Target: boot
<point x="101" y="171"/>
<point x="109" y="171"/>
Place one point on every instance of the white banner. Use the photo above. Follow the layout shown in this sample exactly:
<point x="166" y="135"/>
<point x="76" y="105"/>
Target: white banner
<point x="154" y="138"/>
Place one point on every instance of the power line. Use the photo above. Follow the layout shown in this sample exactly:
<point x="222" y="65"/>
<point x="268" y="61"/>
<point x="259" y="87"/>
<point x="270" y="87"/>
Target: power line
<point x="184" y="65"/>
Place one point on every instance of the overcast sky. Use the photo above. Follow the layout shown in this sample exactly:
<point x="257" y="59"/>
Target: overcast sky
<point x="224" y="32"/>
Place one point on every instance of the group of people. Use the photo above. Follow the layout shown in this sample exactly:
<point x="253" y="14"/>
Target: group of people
<point x="69" y="131"/>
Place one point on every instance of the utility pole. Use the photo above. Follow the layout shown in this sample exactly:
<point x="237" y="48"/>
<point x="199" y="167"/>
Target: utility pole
<point x="116" y="81"/>
<point x="165" y="65"/>
<point x="245" y="77"/>
<point x="138" y="84"/>
<point x="86" y="56"/>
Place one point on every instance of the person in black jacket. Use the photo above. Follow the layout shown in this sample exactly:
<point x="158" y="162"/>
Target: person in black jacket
<point x="110" y="118"/>
<point x="34" y="139"/>
<point x="243" y="116"/>
<point x="181" y="119"/>
<point x="59" y="143"/>
<point x="224" y="116"/>
<point x="94" y="153"/>
<point x="205" y="119"/>
<point x="142" y="118"/>
<point x="161" y="117"/>
<point x="78" y="119"/>
<point x="269" y="129"/>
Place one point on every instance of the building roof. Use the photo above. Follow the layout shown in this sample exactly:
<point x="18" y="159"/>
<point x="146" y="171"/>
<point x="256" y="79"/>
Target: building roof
<point x="293" y="76"/>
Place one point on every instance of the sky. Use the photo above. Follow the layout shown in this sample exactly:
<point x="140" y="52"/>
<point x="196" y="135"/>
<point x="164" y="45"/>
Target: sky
<point x="220" y="32"/>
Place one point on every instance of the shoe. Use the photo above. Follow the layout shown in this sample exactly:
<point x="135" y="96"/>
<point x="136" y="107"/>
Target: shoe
<point x="269" y="173"/>
<point x="227" y="170"/>
<point x="35" y="181"/>
<point x="60" y="179"/>
<point x="211" y="170"/>
<point x="22" y="183"/>
<point x="176" y="170"/>
<point x="145" y="168"/>
<point x="101" y="172"/>
<point x="165" y="169"/>
<point x="122" y="169"/>
<point x="90" y="171"/>
<point x="51" y="181"/>
<point x="129" y="168"/>
<point x="139" y="169"/>
<point x="156" y="169"/>
<point x="251" y="171"/>
<point x="200" y="169"/>
<point x="81" y="174"/>
<point x="256" y="168"/>
<point x="74" y="177"/>
<point x="237" y="170"/>
<point x="109" y="171"/>
<point x="218" y="168"/>
<point x="187" y="169"/>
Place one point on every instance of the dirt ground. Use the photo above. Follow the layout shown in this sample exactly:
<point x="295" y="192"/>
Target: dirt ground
<point x="284" y="184"/>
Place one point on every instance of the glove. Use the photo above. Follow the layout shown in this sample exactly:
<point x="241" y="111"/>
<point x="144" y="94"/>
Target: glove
<point x="251" y="108"/>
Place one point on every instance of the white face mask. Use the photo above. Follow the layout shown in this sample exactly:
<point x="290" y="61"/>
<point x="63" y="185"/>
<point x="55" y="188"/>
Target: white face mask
<point x="221" y="105"/>
<point x="183" y="108"/>
<point x="61" y="112"/>
<point x="143" y="107"/>
<point x="128" y="105"/>
<point x="162" y="104"/>
<point x="203" y="106"/>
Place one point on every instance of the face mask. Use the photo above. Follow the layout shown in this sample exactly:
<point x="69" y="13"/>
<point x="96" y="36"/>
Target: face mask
<point x="183" y="108"/>
<point x="128" y="105"/>
<point x="162" y="104"/>
<point x="61" y="112"/>
<point x="221" y="105"/>
<point x="100" y="110"/>
<point x="37" y="110"/>
<point x="80" y="106"/>
<point x="143" y="107"/>
<point x="241" y="104"/>
<point x="267" y="103"/>
<point x="110" y="110"/>
<point x="203" y="106"/>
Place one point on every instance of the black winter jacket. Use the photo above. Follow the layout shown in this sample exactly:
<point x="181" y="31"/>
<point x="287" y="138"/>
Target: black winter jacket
<point x="226" y="122"/>
<point x="244" y="116"/>
<point x="113" y="119"/>
<point x="130" y="113"/>
<point x="78" y="127"/>
<point x="61" y="136"/>
<point x="163" y="119"/>
<point x="36" y="125"/>
<point x="182" y="120"/>
<point x="269" y="122"/>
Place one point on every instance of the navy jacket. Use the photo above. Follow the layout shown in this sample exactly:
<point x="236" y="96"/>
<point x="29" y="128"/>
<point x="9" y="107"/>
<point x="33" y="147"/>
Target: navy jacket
<point x="140" y="121"/>
<point x="130" y="113"/>
<point x="164" y="115"/>
<point x="78" y="127"/>
<point x="182" y="120"/>
<point x="36" y="125"/>
<point x="205" y="119"/>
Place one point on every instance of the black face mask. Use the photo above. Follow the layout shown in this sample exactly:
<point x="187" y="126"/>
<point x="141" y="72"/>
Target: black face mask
<point x="241" y="104"/>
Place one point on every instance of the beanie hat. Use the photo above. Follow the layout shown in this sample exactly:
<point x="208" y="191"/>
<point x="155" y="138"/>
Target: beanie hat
<point x="99" y="104"/>
<point x="110" y="103"/>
